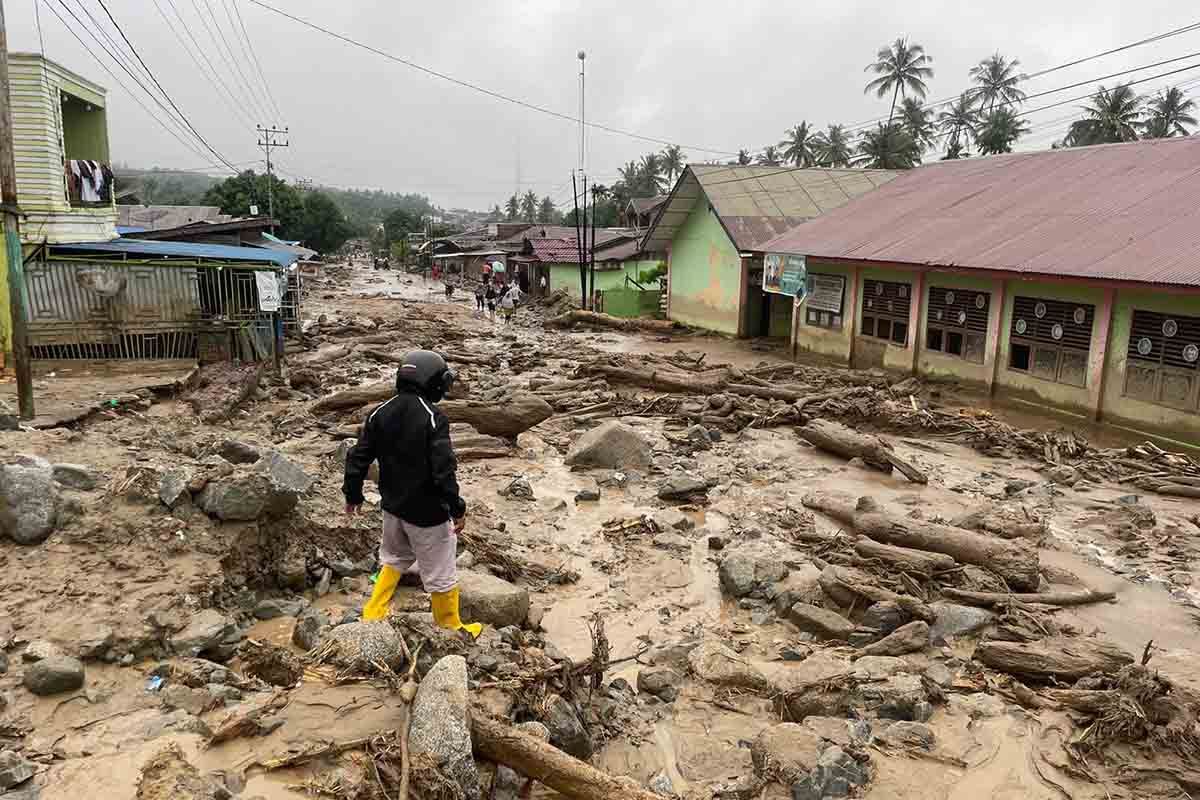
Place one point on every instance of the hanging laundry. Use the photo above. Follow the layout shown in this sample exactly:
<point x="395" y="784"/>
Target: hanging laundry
<point x="89" y="181"/>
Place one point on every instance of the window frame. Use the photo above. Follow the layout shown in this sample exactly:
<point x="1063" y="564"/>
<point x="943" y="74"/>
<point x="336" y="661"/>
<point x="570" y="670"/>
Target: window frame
<point x="902" y="292"/>
<point x="1158" y="359"/>
<point x="974" y="324"/>
<point x="1061" y="314"/>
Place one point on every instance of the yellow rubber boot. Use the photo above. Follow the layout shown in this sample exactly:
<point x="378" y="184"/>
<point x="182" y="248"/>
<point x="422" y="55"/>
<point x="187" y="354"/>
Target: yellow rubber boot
<point x="385" y="586"/>
<point x="445" y="613"/>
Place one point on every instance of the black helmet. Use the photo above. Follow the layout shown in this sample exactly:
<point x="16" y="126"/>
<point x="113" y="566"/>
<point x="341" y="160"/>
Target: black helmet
<point x="427" y="373"/>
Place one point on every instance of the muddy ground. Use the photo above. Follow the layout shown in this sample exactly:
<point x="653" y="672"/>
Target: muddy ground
<point x="123" y="576"/>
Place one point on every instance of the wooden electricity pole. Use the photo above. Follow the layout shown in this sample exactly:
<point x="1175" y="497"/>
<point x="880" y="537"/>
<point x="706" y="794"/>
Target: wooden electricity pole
<point x="12" y="237"/>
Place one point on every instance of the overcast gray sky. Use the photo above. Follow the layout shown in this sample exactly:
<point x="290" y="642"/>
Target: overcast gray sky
<point x="712" y="75"/>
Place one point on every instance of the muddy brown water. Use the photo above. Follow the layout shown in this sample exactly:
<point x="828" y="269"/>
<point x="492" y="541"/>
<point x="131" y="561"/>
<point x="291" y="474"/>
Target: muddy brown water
<point x="101" y="737"/>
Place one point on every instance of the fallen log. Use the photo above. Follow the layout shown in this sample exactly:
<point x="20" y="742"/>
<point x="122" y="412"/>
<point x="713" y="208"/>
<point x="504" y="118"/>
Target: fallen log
<point x="506" y="418"/>
<point x="833" y="437"/>
<point x="659" y="380"/>
<point x="988" y="599"/>
<point x="326" y="355"/>
<point x="468" y="358"/>
<point x="546" y="764"/>
<point x="917" y="562"/>
<point x="840" y="582"/>
<point x="1056" y="658"/>
<point x="765" y="392"/>
<point x="836" y="394"/>
<point x="578" y="316"/>
<point x="1015" y="561"/>
<point x="355" y="397"/>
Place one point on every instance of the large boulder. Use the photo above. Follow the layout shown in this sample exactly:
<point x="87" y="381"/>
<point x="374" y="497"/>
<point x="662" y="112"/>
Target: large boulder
<point x="751" y="570"/>
<point x="205" y="632"/>
<point x="909" y="638"/>
<point x="952" y="620"/>
<point x="441" y="724"/>
<point x="662" y="682"/>
<point x="683" y="488"/>
<point x="566" y="731"/>
<point x="363" y="643"/>
<point x="271" y="487"/>
<point x="613" y="445"/>
<point x="29" y="501"/>
<point x="717" y="664"/>
<point x="54" y="675"/>
<point x="491" y="600"/>
<point x="786" y="752"/>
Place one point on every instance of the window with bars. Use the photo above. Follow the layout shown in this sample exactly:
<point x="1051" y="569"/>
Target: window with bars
<point x="1164" y="350"/>
<point x="885" y="309"/>
<point x="956" y="322"/>
<point x="1051" y="339"/>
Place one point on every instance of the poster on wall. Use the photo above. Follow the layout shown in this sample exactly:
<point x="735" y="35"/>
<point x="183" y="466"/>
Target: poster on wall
<point x="825" y="292"/>
<point x="268" y="290"/>
<point x="785" y="274"/>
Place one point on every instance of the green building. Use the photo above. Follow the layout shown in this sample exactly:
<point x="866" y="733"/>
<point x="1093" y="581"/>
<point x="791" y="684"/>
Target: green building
<point x="619" y="263"/>
<point x="1066" y="278"/>
<point x="714" y="225"/>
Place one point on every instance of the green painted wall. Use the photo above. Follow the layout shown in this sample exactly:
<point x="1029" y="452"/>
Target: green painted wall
<point x="937" y="364"/>
<point x="566" y="276"/>
<point x="825" y="342"/>
<point x="630" y="303"/>
<point x="85" y="133"/>
<point x="1119" y="409"/>
<point x="706" y="274"/>
<point x="870" y="352"/>
<point x="1021" y="384"/>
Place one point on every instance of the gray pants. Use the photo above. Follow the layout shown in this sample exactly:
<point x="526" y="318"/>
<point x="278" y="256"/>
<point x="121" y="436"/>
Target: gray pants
<point x="431" y="549"/>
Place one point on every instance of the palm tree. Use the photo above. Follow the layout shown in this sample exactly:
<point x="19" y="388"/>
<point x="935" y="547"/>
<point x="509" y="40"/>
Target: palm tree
<point x="547" y="213"/>
<point x="831" y="148"/>
<point x="743" y="157"/>
<point x="1170" y="114"/>
<point x="998" y="81"/>
<point x="960" y="121"/>
<point x="917" y="122"/>
<point x="529" y="206"/>
<point x="798" y="146"/>
<point x="1113" y="116"/>
<point x="650" y="179"/>
<point x="629" y="174"/>
<point x="902" y="68"/>
<point x="770" y="157"/>
<point x="512" y="208"/>
<point x="888" y="147"/>
<point x="673" y="162"/>
<point x="1000" y="130"/>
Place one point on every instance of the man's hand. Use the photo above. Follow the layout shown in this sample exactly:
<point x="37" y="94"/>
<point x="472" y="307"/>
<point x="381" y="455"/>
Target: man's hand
<point x="459" y="524"/>
<point x="352" y="508"/>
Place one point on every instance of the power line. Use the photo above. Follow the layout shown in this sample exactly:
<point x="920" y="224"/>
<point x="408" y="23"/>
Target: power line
<point x="165" y="94"/>
<point x="255" y="86"/>
<point x="481" y="89"/>
<point x="257" y="63"/>
<point x="204" y="54"/>
<point x="219" y="38"/>
<point x="121" y="83"/>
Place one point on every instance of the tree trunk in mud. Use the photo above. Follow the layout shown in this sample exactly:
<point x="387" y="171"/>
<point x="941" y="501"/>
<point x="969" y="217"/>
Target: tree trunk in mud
<point x="918" y="562"/>
<point x="1043" y="598"/>
<point x="1015" y="561"/>
<point x="842" y="582"/>
<point x="657" y="379"/>
<point x="353" y="398"/>
<point x="546" y="764"/>
<point x="572" y="318"/>
<point x="505" y="418"/>
<point x="833" y="437"/>
<point x="1057" y="658"/>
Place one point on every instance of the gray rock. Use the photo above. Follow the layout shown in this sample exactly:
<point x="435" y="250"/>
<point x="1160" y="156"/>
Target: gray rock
<point x="3" y="665"/>
<point x="682" y="487"/>
<point x="1016" y="486"/>
<point x="587" y="495"/>
<point x="661" y="785"/>
<point x="345" y="568"/>
<point x="441" y="723"/>
<point x="877" y="668"/>
<point x="491" y="600"/>
<point x="801" y="585"/>
<point x="566" y="731"/>
<point x="716" y="542"/>
<point x="750" y="570"/>
<point x="368" y="641"/>
<point x="905" y="734"/>
<point x="612" y="445"/>
<point x="287" y="477"/>
<point x="465" y="560"/>
<point x="518" y="488"/>
<point x="820" y="622"/>
<point x="786" y="752"/>
<point x="173" y="486"/>
<point x="29" y="501"/>
<point x="9" y="420"/>
<point x="900" y="697"/>
<point x="96" y="643"/>
<point x="837" y="774"/>
<point x="323" y="582"/>
<point x="509" y="784"/>
<point x="954" y="620"/>
<point x="75" y="476"/>
<point x="882" y="618"/>
<point x="193" y="701"/>
<point x="39" y="650"/>
<point x="721" y="666"/>
<point x="292" y="571"/>
<point x="910" y="638"/>
<point x="977" y="705"/>
<point x="940" y="674"/>
<point x="1067" y="476"/>
<point x="271" y="487"/>
<point x="204" y="633"/>
<point x="14" y="770"/>
<point x="672" y="542"/>
<point x="662" y="682"/>
<point x="839" y="731"/>
<point x="699" y="438"/>
<point x="236" y="452"/>
<point x="674" y="518"/>
<point x="671" y="654"/>
<point x="275" y="607"/>
<point x="54" y="675"/>
<point x="223" y="694"/>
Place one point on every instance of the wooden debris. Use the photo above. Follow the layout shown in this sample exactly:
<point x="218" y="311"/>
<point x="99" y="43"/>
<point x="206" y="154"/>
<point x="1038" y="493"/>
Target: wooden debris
<point x="833" y="437"/>
<point x="580" y="317"/>
<point x="988" y="599"/>
<point x="918" y="562"/>
<point x="1055" y="658"/>
<point x="1015" y="561"/>
<point x="838" y="581"/>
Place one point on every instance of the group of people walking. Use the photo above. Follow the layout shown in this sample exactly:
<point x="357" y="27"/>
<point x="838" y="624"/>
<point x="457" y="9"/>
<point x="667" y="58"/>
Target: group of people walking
<point x="492" y="294"/>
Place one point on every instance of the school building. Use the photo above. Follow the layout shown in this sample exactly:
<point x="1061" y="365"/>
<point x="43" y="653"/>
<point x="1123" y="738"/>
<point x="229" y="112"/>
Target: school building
<point x="1069" y="278"/>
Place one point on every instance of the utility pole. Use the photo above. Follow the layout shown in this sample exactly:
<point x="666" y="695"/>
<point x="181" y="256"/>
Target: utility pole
<point x="582" y="118"/>
<point x="12" y="238"/>
<point x="267" y="141"/>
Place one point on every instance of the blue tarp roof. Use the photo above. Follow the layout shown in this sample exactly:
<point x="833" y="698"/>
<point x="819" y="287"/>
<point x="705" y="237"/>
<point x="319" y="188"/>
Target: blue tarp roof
<point x="142" y="247"/>
<point x="124" y="229"/>
<point x="277" y="240"/>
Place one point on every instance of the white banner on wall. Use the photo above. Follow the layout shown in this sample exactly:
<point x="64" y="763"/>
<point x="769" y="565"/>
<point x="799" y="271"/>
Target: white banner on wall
<point x="268" y="290"/>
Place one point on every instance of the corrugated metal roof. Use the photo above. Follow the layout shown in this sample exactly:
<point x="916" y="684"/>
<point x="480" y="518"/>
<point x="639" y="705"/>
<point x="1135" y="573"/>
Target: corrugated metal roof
<point x="218" y="252"/>
<point x="1120" y="212"/>
<point x="154" y="218"/>
<point x="757" y="203"/>
<point x="642" y="205"/>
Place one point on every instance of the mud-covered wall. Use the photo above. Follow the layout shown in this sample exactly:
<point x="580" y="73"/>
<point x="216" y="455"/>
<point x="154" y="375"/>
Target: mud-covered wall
<point x="830" y="342"/>
<point x="940" y="364"/>
<point x="706" y="274"/>
<point x="870" y="352"/>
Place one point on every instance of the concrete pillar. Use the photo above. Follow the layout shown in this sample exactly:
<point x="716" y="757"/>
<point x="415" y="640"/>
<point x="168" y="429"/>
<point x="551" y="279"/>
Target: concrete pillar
<point x="916" y="312"/>
<point x="996" y="336"/>
<point x="1098" y="358"/>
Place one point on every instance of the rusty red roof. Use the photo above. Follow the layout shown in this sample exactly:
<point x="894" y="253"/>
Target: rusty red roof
<point x="1127" y="212"/>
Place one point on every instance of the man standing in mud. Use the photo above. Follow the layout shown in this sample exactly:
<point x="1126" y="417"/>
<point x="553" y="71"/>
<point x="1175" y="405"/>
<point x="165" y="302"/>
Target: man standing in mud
<point x="423" y="511"/>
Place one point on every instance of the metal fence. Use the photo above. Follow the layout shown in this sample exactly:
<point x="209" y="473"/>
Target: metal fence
<point x="92" y="309"/>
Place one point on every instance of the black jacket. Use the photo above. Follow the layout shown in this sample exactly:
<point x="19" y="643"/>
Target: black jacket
<point x="411" y="440"/>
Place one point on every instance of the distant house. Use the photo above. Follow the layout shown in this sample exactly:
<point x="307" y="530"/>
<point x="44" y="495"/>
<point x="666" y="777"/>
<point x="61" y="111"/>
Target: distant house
<point x="714" y="225"/>
<point x="639" y="211"/>
<point x="618" y="261"/>
<point x="1068" y="278"/>
<point x="140" y="218"/>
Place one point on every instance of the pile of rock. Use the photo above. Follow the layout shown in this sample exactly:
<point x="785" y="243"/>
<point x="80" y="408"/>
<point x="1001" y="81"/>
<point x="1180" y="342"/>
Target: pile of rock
<point x="32" y="503"/>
